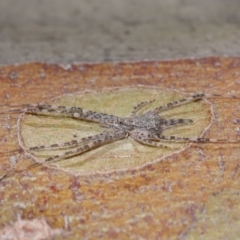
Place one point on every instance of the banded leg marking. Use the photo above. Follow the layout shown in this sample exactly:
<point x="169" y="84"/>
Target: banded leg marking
<point x="143" y="138"/>
<point x="177" y="103"/>
<point x="96" y="141"/>
<point x="194" y="139"/>
<point x="173" y="122"/>
<point x="139" y="106"/>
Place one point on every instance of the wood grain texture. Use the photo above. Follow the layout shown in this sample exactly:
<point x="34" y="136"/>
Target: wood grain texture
<point x="186" y="196"/>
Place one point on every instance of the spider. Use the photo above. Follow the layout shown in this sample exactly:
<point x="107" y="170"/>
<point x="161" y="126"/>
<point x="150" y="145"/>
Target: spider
<point x="146" y="128"/>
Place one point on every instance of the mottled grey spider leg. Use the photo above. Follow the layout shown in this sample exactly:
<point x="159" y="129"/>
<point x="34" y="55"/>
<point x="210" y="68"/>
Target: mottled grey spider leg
<point x="96" y="141"/>
<point x="194" y="139"/>
<point x="69" y="144"/>
<point x="178" y="103"/>
<point x="75" y="112"/>
<point x="140" y="105"/>
<point x="153" y="139"/>
<point x="173" y="122"/>
<point x="194" y="97"/>
<point x="142" y="137"/>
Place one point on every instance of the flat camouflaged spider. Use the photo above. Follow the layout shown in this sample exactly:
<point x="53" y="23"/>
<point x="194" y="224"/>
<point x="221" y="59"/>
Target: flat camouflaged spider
<point x="146" y="128"/>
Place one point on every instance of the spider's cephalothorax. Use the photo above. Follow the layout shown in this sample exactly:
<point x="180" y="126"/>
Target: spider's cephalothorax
<point x="154" y="123"/>
<point x="149" y="122"/>
<point x="146" y="128"/>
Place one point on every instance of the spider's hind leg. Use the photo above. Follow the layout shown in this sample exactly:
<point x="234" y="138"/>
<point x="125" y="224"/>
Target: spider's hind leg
<point x="176" y="122"/>
<point x="178" y="103"/>
<point x="143" y="137"/>
<point x="140" y="105"/>
<point x="192" y="140"/>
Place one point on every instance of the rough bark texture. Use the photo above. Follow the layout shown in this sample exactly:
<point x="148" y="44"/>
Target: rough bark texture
<point x="192" y="194"/>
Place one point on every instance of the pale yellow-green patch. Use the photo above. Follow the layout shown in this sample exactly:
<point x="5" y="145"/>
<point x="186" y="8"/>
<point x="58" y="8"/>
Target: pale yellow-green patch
<point x="121" y="155"/>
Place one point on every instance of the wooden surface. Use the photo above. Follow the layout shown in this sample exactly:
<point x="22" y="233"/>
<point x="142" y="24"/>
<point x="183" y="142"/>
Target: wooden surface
<point x="193" y="194"/>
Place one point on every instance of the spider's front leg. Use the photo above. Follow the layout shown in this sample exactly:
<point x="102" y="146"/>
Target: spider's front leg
<point x="74" y="112"/>
<point x="68" y="144"/>
<point x="83" y="145"/>
<point x="93" y="142"/>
